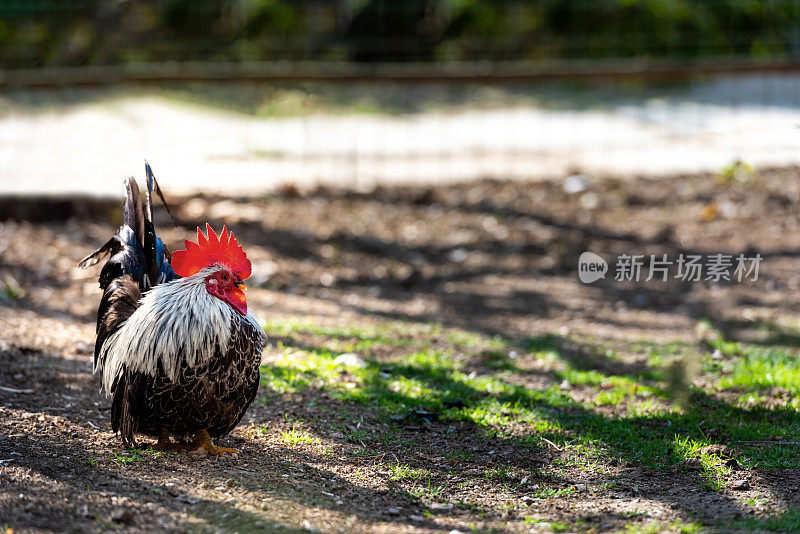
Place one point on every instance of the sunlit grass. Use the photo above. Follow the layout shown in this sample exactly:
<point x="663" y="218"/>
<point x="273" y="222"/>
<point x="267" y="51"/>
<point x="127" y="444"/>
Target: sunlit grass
<point x="454" y="384"/>
<point x="675" y="526"/>
<point x="765" y="369"/>
<point x="406" y="472"/>
<point x="786" y="521"/>
<point x="714" y="469"/>
<point x="133" y="455"/>
<point x="297" y="436"/>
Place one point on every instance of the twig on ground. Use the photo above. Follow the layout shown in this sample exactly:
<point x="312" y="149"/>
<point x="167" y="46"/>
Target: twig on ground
<point x="556" y="447"/>
<point x="15" y="390"/>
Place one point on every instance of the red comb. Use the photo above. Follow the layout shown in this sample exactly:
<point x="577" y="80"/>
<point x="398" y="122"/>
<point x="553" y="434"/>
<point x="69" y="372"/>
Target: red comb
<point x="211" y="250"/>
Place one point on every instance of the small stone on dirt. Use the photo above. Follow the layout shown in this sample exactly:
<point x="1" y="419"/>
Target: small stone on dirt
<point x="739" y="485"/>
<point x="350" y="359"/>
<point x="575" y="184"/>
<point x="458" y="255"/>
<point x="393" y="510"/>
<point x="416" y="518"/>
<point x="121" y="515"/>
<point x="589" y="200"/>
<point x="309" y="527"/>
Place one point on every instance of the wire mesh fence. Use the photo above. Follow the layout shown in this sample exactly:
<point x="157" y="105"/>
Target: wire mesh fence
<point x="37" y="33"/>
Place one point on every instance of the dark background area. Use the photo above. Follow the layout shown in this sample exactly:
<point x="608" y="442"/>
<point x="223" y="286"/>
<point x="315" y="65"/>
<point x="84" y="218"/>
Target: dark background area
<point x="39" y="33"/>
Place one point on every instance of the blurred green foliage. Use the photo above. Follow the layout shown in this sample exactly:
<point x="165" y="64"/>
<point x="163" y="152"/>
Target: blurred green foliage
<point x="84" y="32"/>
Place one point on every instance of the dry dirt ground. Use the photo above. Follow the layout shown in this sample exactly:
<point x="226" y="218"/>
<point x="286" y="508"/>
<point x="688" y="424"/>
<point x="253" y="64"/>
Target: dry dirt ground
<point x="499" y="393"/>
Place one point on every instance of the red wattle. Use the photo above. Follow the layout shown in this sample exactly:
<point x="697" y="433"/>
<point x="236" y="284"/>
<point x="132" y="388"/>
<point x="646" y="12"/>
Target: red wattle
<point x="235" y="297"/>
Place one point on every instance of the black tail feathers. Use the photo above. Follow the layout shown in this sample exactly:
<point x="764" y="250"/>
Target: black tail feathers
<point x="135" y="249"/>
<point x="152" y="185"/>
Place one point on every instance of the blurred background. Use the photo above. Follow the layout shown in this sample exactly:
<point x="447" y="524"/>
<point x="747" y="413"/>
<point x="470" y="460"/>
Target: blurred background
<point x="401" y="150"/>
<point x="364" y="92"/>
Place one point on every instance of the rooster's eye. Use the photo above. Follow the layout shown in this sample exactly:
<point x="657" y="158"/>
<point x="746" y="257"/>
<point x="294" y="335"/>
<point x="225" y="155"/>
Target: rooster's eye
<point x="224" y="276"/>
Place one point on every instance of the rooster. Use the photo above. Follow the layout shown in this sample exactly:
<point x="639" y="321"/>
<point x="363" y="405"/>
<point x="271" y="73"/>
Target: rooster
<point x="178" y="350"/>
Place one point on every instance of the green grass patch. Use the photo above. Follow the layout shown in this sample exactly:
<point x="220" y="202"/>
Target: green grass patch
<point x="298" y="436"/>
<point x="714" y="469"/>
<point x="501" y="475"/>
<point x="132" y="456"/>
<point x="787" y="521"/>
<point x="447" y="385"/>
<point x="406" y="472"/>
<point x="765" y="368"/>
<point x="675" y="526"/>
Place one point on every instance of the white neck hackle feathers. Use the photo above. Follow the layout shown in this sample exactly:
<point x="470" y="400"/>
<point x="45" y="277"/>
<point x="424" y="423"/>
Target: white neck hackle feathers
<point x="176" y="322"/>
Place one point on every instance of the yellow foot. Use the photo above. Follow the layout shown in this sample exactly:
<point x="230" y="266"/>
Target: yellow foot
<point x="203" y="441"/>
<point x="165" y="444"/>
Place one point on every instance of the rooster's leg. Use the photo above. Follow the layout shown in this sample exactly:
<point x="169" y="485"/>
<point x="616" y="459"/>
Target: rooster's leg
<point x="165" y="444"/>
<point x="203" y="441"/>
